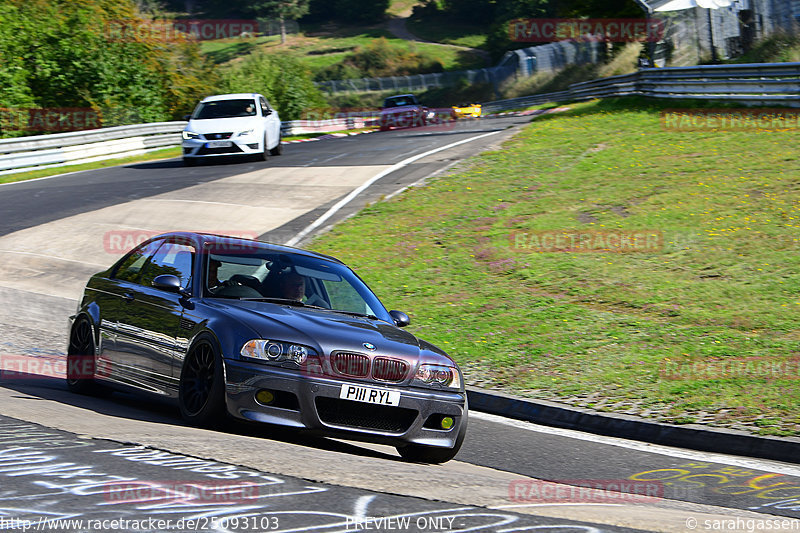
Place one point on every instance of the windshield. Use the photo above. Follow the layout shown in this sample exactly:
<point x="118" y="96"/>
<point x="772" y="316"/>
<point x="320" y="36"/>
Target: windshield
<point x="398" y="101"/>
<point x="225" y="109"/>
<point x="293" y="279"/>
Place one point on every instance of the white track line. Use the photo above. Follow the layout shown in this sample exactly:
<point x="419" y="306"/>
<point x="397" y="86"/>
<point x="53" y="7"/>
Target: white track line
<point x="347" y="199"/>
<point x="733" y="460"/>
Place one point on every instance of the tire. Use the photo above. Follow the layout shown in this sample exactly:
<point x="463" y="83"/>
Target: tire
<point x="189" y="161"/>
<point x="81" y="360"/>
<point x="278" y="150"/>
<point x="263" y="155"/>
<point x="416" y="453"/>
<point x="201" y="393"/>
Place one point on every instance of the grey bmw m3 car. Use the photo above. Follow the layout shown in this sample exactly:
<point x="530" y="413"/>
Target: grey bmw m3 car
<point x="265" y="333"/>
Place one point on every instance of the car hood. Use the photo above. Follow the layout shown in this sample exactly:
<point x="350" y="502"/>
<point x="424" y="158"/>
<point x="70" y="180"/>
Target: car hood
<point x="218" y="125"/>
<point x="329" y="331"/>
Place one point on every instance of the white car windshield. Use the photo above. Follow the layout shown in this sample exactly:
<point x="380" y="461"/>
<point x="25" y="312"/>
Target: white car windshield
<point x="225" y="109"/>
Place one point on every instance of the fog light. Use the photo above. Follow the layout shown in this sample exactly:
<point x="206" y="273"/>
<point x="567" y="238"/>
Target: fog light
<point x="266" y="397"/>
<point x="447" y="422"/>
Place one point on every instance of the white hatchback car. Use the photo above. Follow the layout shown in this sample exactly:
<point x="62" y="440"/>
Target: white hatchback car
<point x="232" y="124"/>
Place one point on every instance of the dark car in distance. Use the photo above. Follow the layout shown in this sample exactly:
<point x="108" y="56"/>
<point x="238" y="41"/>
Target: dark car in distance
<point x="265" y="333"/>
<point x="402" y="111"/>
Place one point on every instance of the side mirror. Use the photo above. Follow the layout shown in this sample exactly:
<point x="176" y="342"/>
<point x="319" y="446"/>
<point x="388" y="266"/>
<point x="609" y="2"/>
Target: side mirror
<point x="170" y="283"/>
<point x="268" y="112"/>
<point x="187" y="117"/>
<point x="401" y="319"/>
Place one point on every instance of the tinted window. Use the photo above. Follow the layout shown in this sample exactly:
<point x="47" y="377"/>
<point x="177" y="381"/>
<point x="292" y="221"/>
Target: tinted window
<point x="225" y="109"/>
<point x="262" y="273"/>
<point x="171" y="258"/>
<point x="398" y="101"/>
<point x="131" y="267"/>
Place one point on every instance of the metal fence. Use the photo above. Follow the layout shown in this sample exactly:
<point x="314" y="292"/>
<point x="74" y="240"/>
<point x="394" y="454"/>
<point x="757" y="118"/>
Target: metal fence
<point x="523" y="62"/>
<point x="419" y="82"/>
<point x="73" y="148"/>
<point x="755" y="84"/>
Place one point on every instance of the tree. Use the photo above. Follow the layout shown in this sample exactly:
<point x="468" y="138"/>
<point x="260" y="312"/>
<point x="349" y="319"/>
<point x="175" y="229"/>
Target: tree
<point x="283" y="10"/>
<point x="282" y="79"/>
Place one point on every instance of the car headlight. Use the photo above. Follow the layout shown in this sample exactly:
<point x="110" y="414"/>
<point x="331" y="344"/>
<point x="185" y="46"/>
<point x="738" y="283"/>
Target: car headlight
<point x="277" y="351"/>
<point x="245" y="133"/>
<point x="189" y="135"/>
<point x="441" y="375"/>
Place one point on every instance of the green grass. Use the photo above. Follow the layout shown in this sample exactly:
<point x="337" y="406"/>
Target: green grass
<point x="401" y="8"/>
<point x="614" y="331"/>
<point x="776" y="48"/>
<point x="166" y="153"/>
<point x="323" y="46"/>
<point x="441" y="29"/>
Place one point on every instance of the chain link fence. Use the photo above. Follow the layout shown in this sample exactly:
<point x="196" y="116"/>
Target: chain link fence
<point x="524" y="62"/>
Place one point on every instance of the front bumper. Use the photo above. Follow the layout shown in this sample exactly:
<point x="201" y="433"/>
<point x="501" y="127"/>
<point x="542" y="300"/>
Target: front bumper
<point x="238" y="146"/>
<point x="312" y="403"/>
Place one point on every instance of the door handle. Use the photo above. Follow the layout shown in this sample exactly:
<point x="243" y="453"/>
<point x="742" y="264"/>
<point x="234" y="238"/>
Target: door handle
<point x="128" y="297"/>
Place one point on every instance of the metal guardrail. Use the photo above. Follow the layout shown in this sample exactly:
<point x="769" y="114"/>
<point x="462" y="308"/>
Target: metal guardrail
<point x="44" y="151"/>
<point x="73" y="148"/>
<point x="756" y="84"/>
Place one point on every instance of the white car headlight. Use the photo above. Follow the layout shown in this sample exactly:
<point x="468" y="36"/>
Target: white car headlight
<point x="190" y="135"/>
<point x="444" y="376"/>
<point x="276" y="351"/>
<point x="245" y="133"/>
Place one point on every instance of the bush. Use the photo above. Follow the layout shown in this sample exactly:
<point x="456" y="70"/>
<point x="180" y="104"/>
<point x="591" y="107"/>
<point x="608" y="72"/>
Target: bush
<point x="282" y="79"/>
<point x="378" y="59"/>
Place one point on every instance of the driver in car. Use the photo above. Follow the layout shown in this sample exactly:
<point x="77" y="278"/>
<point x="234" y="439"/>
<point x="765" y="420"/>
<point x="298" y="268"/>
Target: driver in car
<point x="213" y="282"/>
<point x="291" y="286"/>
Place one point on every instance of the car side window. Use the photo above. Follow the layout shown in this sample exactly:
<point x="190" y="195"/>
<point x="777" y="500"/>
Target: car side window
<point x="131" y="268"/>
<point x="264" y="107"/>
<point x="171" y="258"/>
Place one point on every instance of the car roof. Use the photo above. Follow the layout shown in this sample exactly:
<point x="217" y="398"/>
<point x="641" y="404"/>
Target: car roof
<point x="233" y="96"/>
<point x="244" y="244"/>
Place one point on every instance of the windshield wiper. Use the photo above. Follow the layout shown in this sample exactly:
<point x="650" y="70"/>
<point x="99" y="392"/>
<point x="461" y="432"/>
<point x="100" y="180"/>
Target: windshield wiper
<point x="282" y="301"/>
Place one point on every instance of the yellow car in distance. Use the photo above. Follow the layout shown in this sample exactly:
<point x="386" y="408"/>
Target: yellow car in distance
<point x="467" y="110"/>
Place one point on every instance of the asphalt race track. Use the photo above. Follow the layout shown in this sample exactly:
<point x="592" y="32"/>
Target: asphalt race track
<point x="68" y="457"/>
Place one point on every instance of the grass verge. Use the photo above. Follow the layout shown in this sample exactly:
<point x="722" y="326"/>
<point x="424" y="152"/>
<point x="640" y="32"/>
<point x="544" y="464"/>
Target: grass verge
<point x="442" y="29"/>
<point x="702" y="330"/>
<point x="323" y="46"/>
<point x="166" y="153"/>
